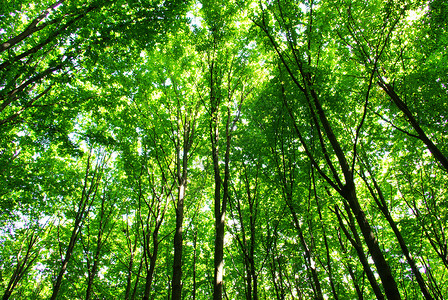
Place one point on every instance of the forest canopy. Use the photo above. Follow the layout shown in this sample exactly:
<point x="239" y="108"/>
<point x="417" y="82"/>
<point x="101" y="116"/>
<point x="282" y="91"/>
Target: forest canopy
<point x="223" y="150"/>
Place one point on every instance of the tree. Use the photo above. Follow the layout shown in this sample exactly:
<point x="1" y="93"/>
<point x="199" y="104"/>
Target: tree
<point x="305" y="82"/>
<point x="225" y="79"/>
<point x="89" y="191"/>
<point x="242" y="150"/>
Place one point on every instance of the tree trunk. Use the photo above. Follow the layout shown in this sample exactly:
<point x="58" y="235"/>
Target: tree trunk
<point x="137" y="278"/>
<point x="435" y="151"/>
<point x="384" y="271"/>
<point x="89" y="191"/>
<point x="92" y="275"/>
<point x="356" y="243"/>
<point x="182" y="173"/>
<point x="382" y="205"/>
<point x="129" y="277"/>
<point x="177" y="261"/>
<point x="57" y="285"/>
<point x="219" y="257"/>
<point x="347" y="190"/>
<point x="194" y="263"/>
<point x="152" y="261"/>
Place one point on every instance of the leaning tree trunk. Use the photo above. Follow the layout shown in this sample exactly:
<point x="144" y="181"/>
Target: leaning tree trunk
<point x="435" y="151"/>
<point x="87" y="197"/>
<point x="382" y="205"/>
<point x="344" y="185"/>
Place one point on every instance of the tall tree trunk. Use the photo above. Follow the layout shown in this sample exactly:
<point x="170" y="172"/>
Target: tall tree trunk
<point x="219" y="256"/>
<point x="384" y="271"/>
<point x="129" y="277"/>
<point x="220" y="206"/>
<point x="347" y="190"/>
<point x="219" y="214"/>
<point x="132" y="249"/>
<point x="91" y="277"/>
<point x="88" y="195"/>
<point x="152" y="262"/>
<point x="134" y="293"/>
<point x="68" y="255"/>
<point x="356" y="243"/>
<point x="253" y="271"/>
<point x="177" y="260"/>
<point x="182" y="173"/>
<point x="382" y="205"/>
<point x="194" y="263"/>
<point x="248" y="248"/>
<point x="216" y="98"/>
